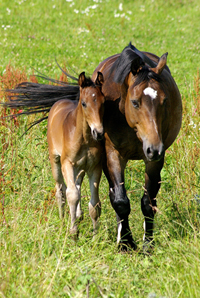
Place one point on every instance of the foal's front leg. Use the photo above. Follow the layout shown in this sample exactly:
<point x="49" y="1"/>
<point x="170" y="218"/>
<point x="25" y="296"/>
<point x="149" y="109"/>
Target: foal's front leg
<point x="73" y="180"/>
<point x="148" y="201"/>
<point x="95" y="204"/>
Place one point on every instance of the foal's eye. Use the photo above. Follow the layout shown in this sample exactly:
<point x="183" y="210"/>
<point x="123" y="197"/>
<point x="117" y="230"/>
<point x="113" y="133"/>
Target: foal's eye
<point x="83" y="104"/>
<point x="135" y="103"/>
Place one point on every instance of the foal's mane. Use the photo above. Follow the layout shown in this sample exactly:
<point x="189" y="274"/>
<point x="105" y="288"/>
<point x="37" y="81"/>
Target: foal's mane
<point x="127" y="62"/>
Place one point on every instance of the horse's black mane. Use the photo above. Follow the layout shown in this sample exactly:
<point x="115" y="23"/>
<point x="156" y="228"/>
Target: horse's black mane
<point x="127" y="62"/>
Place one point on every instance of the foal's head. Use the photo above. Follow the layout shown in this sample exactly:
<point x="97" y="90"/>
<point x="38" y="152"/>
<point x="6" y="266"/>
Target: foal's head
<point x="92" y="102"/>
<point x="143" y="100"/>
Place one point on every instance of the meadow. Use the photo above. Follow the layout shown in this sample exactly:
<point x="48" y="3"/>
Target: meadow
<point x="38" y="258"/>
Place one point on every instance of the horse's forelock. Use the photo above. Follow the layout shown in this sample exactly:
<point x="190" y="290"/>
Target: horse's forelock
<point x="145" y="74"/>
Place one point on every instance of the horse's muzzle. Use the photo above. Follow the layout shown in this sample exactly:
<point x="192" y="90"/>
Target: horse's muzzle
<point x="153" y="152"/>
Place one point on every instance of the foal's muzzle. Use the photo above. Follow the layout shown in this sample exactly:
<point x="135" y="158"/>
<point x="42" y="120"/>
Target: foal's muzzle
<point x="97" y="134"/>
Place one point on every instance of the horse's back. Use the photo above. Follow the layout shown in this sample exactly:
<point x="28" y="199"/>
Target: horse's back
<point x="57" y="115"/>
<point x="110" y="89"/>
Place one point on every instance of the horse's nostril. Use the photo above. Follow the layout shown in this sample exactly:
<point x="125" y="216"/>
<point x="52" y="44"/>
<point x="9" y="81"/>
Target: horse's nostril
<point x="151" y="153"/>
<point x="148" y="151"/>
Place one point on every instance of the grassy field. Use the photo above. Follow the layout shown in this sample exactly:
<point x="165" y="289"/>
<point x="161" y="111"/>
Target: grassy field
<point x="37" y="256"/>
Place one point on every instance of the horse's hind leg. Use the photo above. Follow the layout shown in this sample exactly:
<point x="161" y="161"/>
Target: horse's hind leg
<point x="95" y="204"/>
<point x="60" y="184"/>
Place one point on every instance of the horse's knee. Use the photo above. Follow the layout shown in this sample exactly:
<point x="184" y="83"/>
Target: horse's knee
<point x="120" y="203"/>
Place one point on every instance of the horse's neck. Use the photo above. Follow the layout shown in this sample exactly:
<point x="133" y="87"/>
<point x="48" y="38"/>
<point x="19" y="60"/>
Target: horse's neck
<point x="123" y="94"/>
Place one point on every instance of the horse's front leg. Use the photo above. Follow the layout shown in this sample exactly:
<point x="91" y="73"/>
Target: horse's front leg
<point x="95" y="203"/>
<point x="148" y="201"/>
<point x="113" y="168"/>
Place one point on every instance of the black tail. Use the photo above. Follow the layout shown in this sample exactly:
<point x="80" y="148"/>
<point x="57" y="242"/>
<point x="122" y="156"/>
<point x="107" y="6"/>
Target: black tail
<point x="35" y="98"/>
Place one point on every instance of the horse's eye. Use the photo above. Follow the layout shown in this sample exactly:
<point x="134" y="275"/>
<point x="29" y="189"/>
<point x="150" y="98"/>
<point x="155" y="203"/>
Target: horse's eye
<point x="83" y="104"/>
<point x="135" y="103"/>
<point x="164" y="100"/>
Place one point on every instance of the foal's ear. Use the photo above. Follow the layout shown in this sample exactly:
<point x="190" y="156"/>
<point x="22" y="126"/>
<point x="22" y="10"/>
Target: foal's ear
<point x="81" y="79"/>
<point x="161" y="64"/>
<point x="99" y="80"/>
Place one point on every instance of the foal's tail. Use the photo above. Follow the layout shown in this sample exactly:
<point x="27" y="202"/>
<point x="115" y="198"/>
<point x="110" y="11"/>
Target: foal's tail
<point x="33" y="98"/>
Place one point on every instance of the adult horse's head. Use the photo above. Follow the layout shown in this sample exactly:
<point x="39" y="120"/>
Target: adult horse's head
<point x="92" y="102"/>
<point x="143" y="99"/>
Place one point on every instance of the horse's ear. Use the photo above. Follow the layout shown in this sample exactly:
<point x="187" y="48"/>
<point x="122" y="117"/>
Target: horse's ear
<point x="99" y="80"/>
<point x="136" y="65"/>
<point x="161" y="64"/>
<point x="81" y="79"/>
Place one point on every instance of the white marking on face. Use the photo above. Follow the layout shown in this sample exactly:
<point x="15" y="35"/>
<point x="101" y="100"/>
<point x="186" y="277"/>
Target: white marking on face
<point x="151" y="92"/>
<point x="119" y="233"/>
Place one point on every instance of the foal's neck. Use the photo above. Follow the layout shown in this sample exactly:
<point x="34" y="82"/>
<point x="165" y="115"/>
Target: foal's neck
<point x="83" y="130"/>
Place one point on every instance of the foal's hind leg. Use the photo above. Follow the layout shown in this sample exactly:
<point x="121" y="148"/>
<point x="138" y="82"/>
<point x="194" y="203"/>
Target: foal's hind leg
<point x="60" y="184"/>
<point x="95" y="204"/>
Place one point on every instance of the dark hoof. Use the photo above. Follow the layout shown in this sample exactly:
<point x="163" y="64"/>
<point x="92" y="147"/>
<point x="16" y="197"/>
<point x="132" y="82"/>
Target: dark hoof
<point x="126" y="245"/>
<point x="148" y="246"/>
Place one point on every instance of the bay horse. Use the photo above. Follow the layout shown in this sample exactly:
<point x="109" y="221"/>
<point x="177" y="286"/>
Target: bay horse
<point x="143" y="115"/>
<point x="74" y="134"/>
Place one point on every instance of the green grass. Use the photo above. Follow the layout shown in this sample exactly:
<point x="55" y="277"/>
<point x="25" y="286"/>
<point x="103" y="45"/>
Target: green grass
<point x="37" y="256"/>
